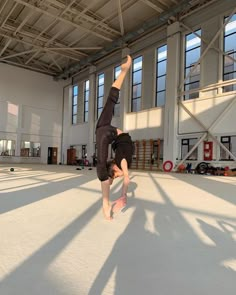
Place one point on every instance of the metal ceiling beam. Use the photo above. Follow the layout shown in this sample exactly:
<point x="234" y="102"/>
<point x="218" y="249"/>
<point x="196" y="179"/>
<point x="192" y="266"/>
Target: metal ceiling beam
<point x="122" y="30"/>
<point x="152" y="5"/>
<point x="82" y="14"/>
<point x="152" y="24"/>
<point x="125" y="6"/>
<point x="11" y="29"/>
<point x="3" y="6"/>
<point x="38" y="47"/>
<point x="5" y="47"/>
<point x="27" y="4"/>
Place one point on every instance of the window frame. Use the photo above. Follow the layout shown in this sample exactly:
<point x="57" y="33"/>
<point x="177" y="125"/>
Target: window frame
<point x="160" y="76"/>
<point x="86" y="101"/>
<point x="74" y="115"/>
<point x="232" y="87"/>
<point x="140" y="83"/>
<point x="188" y="144"/>
<point x="195" y="94"/>
<point x="102" y="96"/>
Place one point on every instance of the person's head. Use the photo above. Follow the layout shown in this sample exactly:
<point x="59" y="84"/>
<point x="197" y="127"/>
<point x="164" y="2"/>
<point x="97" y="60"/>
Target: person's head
<point x="113" y="170"/>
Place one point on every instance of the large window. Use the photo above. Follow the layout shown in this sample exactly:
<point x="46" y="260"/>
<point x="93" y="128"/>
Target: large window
<point x="100" y="94"/>
<point x="117" y="71"/>
<point x="186" y="146"/>
<point x="192" y="55"/>
<point x="30" y="149"/>
<point x="229" y="71"/>
<point x="230" y="143"/>
<point x="7" y="147"/>
<point x="74" y="104"/>
<point x="137" y="84"/>
<point x="161" y="76"/>
<point x="86" y="100"/>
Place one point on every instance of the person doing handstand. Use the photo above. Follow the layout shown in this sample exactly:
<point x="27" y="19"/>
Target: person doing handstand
<point x="122" y="145"/>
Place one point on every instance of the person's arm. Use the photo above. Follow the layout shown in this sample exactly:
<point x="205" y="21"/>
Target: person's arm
<point x="126" y="179"/>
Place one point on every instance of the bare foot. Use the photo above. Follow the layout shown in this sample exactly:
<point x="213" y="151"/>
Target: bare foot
<point x="125" y="66"/>
<point x="107" y="212"/>
<point x="119" y="204"/>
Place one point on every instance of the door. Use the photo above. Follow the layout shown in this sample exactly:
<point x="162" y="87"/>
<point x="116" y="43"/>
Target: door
<point x="52" y="155"/>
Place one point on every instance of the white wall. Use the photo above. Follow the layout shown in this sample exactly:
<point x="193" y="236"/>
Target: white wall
<point x="30" y="110"/>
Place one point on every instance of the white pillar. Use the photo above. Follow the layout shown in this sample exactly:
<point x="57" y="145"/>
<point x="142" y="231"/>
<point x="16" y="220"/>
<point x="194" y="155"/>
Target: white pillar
<point x="91" y="115"/>
<point x="172" y="82"/>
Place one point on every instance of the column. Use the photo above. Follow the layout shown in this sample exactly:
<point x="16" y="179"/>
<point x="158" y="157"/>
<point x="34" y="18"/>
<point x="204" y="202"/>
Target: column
<point x="172" y="82"/>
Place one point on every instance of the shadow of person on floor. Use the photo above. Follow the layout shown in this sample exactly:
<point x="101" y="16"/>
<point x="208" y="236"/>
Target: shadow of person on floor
<point x="172" y="259"/>
<point x="131" y="260"/>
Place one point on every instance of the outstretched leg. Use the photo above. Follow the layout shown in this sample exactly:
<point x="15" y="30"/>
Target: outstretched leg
<point x="107" y="112"/>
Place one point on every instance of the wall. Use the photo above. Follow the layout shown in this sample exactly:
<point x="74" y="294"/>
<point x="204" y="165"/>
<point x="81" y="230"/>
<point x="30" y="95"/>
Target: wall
<point x="30" y="110"/>
<point x="171" y="122"/>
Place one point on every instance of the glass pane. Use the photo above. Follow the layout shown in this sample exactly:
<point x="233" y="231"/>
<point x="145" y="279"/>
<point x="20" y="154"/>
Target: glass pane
<point x="100" y="102"/>
<point x="117" y="71"/>
<point x="161" y="68"/>
<point x="100" y="91"/>
<point x="161" y="83"/>
<point x="137" y="90"/>
<point x="184" y="151"/>
<point x="192" y="56"/>
<point x="86" y="96"/>
<point x="74" y="119"/>
<point x="192" y="79"/>
<point x="223" y="154"/>
<point x="101" y="79"/>
<point x="136" y="105"/>
<point x="230" y="43"/>
<point x="99" y="112"/>
<point x="189" y="87"/>
<point x="86" y="107"/>
<point x="75" y="100"/>
<point x="229" y="76"/>
<point x="137" y="77"/>
<point x="229" y="88"/>
<point x="162" y="53"/>
<point x="161" y="96"/>
<point x="87" y="85"/>
<point x="231" y="26"/>
<point x="233" y="145"/>
<point x="75" y="90"/>
<point x="195" y="74"/>
<point x="193" y="41"/>
<point x="137" y="63"/>
<point x="74" y="109"/>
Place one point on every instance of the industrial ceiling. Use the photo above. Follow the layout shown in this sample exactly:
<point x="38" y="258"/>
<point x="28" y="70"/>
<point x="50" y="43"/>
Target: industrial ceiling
<point x="59" y="37"/>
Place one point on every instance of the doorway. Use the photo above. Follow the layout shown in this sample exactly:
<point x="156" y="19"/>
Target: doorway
<point x="52" y="155"/>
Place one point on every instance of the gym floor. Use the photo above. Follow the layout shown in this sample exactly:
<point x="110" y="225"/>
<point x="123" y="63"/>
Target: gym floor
<point x="177" y="236"/>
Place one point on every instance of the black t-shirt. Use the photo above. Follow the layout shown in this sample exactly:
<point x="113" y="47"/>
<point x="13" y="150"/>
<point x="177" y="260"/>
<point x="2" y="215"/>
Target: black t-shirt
<point x="123" y="148"/>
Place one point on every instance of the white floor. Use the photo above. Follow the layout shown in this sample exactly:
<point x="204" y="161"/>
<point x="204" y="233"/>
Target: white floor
<point x="176" y="237"/>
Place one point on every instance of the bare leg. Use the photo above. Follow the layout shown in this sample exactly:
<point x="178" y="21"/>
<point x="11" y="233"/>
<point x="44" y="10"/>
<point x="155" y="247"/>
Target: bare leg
<point x="124" y="70"/>
<point x="106" y="206"/>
